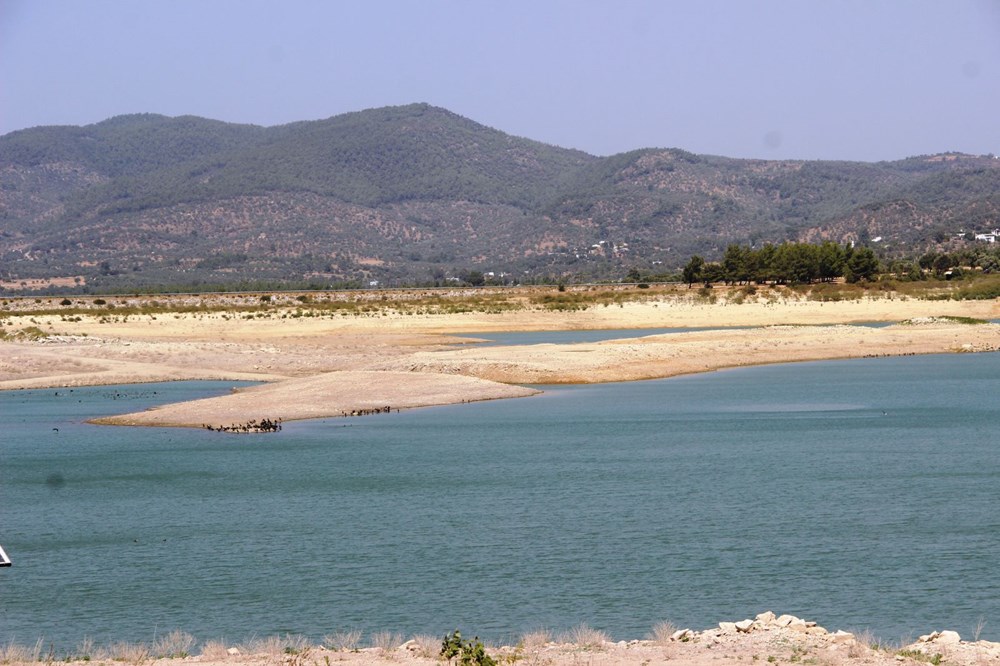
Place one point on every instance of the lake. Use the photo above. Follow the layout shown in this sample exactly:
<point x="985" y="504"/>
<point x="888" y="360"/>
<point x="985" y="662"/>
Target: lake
<point x="861" y="494"/>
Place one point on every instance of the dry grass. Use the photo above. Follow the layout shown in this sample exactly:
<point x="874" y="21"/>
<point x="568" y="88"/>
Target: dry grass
<point x="12" y="653"/>
<point x="585" y="637"/>
<point x="386" y="641"/>
<point x="864" y="643"/>
<point x="133" y="653"/>
<point x="428" y="647"/>
<point x="535" y="640"/>
<point x="275" y="646"/>
<point x="176" y="644"/>
<point x="661" y="632"/>
<point x="214" y="650"/>
<point x="85" y="650"/>
<point x="978" y="629"/>
<point x="345" y="641"/>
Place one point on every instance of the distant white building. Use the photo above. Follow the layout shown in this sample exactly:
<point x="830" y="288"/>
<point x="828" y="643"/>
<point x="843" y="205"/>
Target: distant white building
<point x="990" y="237"/>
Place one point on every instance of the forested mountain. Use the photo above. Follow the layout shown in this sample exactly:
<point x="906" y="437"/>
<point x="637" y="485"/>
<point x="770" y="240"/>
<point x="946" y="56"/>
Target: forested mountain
<point x="416" y="194"/>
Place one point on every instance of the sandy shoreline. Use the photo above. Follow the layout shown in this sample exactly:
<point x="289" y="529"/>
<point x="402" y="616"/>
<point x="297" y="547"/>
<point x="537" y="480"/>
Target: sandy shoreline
<point x="321" y="366"/>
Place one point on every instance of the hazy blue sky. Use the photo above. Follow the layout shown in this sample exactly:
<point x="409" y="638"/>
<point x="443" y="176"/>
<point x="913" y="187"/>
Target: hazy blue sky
<point x="814" y="79"/>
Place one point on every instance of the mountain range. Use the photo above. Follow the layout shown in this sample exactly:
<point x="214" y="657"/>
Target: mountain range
<point x="417" y="194"/>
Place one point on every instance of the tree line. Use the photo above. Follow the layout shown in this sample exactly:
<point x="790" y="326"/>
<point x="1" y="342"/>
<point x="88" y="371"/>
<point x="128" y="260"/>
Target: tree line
<point x="787" y="263"/>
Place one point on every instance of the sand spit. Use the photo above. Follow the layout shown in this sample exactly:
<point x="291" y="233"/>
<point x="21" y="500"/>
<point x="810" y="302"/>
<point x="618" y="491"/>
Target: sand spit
<point x="329" y="363"/>
<point x="764" y="640"/>
<point x="346" y="393"/>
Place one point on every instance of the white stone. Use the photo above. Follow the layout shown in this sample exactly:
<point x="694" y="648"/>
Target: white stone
<point x="949" y="637"/>
<point x="744" y="626"/>
<point x="233" y="652"/>
<point x="841" y="636"/>
<point x="681" y="634"/>
<point x="767" y="617"/>
<point x="727" y="627"/>
<point x="785" y="620"/>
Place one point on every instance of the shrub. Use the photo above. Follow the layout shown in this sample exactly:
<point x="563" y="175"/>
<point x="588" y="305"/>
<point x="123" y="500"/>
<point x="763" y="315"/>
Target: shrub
<point x="469" y="653"/>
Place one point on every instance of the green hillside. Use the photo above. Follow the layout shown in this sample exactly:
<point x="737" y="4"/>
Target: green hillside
<point x="417" y="193"/>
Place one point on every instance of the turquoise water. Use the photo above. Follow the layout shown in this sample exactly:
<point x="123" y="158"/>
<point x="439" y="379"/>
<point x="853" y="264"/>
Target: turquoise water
<point x="861" y="494"/>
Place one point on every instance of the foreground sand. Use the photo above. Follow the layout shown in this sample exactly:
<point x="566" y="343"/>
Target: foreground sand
<point x="766" y="639"/>
<point x="334" y="365"/>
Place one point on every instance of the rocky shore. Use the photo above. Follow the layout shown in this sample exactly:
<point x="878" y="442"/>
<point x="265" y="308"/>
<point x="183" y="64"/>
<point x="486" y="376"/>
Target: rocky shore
<point x="765" y="639"/>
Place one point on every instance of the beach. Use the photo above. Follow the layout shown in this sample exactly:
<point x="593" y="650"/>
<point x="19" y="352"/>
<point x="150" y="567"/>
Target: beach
<point x="323" y="363"/>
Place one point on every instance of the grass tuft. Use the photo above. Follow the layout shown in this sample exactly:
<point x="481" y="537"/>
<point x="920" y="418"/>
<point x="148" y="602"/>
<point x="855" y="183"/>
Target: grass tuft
<point x="586" y="637"/>
<point x="428" y="647"/>
<point x="132" y="653"/>
<point x="175" y="645"/>
<point x="386" y="641"/>
<point x="215" y="650"/>
<point x="662" y="631"/>
<point x="534" y="640"/>
<point x="12" y="653"/>
<point x="344" y="641"/>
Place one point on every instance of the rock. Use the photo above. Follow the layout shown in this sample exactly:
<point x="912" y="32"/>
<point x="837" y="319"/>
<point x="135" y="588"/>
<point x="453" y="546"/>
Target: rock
<point x="785" y="620"/>
<point x="233" y="652"/>
<point x="949" y="637"/>
<point x="841" y="636"/>
<point x="767" y="617"/>
<point x="682" y="634"/>
<point x="744" y="626"/>
<point x="727" y="627"/>
<point x="927" y="638"/>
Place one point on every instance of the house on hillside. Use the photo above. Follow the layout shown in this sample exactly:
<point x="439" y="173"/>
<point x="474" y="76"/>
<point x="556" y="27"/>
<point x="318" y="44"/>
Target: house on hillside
<point x="990" y="237"/>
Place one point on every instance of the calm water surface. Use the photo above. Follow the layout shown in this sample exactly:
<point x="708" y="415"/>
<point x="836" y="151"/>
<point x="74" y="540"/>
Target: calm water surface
<point x="496" y="338"/>
<point x="857" y="493"/>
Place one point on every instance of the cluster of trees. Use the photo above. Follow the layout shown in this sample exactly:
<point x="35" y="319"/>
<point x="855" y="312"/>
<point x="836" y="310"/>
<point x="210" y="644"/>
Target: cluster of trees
<point x="788" y="263"/>
<point x="983" y="257"/>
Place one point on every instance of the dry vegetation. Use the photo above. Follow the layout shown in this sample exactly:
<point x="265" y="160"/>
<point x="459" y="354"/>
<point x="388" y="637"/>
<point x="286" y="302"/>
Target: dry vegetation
<point x="768" y="639"/>
<point x="487" y="300"/>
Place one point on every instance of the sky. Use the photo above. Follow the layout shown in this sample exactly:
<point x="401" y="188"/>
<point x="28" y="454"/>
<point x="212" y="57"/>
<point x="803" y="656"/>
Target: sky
<point x="862" y="80"/>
